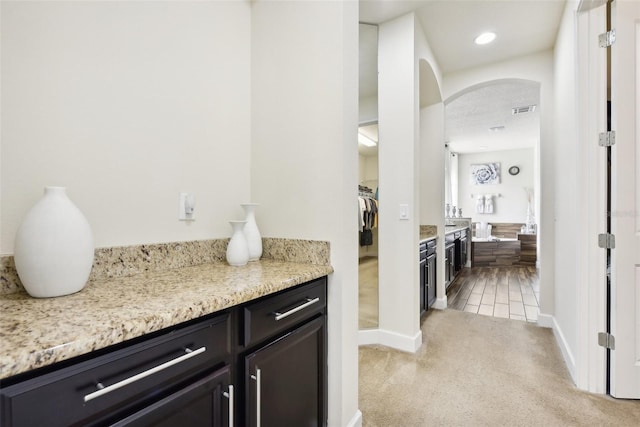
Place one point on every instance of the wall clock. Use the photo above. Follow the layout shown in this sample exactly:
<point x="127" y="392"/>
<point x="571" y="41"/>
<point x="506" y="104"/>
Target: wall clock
<point x="514" y="170"/>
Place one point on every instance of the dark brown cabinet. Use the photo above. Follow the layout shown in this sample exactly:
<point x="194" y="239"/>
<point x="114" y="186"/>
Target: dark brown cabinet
<point x="431" y="277"/>
<point x="284" y="364"/>
<point x="107" y="389"/>
<point x="464" y="248"/>
<point x="284" y="379"/>
<point x="427" y="275"/>
<point x="207" y="402"/>
<point x="263" y="360"/>
<point x="423" y="278"/>
<point x="449" y="262"/>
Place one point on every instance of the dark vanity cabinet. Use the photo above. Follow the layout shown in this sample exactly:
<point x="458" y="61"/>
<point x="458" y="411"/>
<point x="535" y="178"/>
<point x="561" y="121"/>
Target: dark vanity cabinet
<point x="283" y="363"/>
<point x="456" y="253"/>
<point x="431" y="272"/>
<point x="449" y="259"/>
<point x="261" y="363"/>
<point x="464" y="248"/>
<point x="182" y="376"/>
<point x="427" y="274"/>
<point x="461" y="248"/>
<point x="423" y="278"/>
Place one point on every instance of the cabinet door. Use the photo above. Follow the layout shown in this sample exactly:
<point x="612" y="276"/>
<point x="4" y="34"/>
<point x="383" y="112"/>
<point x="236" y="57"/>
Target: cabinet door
<point x="285" y="381"/>
<point x="423" y="286"/>
<point x="431" y="280"/>
<point x="450" y="264"/>
<point x="464" y="249"/>
<point x="205" y="403"/>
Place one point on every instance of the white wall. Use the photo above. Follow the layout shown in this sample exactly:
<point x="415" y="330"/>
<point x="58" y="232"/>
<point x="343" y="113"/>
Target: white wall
<point x="368" y="109"/>
<point x="536" y="67"/>
<point x="567" y="215"/>
<point x="512" y="205"/>
<point x="305" y="77"/>
<point x="398" y="239"/>
<point x="126" y="104"/>
<point x="432" y="163"/>
<point x="368" y="171"/>
<point x="580" y="74"/>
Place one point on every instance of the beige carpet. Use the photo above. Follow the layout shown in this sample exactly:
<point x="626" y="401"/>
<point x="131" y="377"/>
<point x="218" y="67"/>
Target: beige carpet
<point x="476" y="370"/>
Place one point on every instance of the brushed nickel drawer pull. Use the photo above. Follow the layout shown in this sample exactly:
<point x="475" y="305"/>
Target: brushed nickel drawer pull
<point x="258" y="378"/>
<point x="104" y="390"/>
<point x="229" y="395"/>
<point x="280" y="316"/>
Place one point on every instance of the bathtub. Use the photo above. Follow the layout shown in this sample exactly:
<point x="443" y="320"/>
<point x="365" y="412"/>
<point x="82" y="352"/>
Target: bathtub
<point x="493" y="239"/>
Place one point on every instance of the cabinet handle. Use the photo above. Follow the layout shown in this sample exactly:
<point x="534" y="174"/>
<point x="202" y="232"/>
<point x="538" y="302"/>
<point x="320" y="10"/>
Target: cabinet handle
<point x="280" y="316"/>
<point x="229" y="395"/>
<point x="258" y="381"/>
<point x="104" y="390"/>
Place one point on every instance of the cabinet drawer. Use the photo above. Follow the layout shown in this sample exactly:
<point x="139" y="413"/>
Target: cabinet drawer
<point x="110" y="386"/>
<point x="201" y="404"/>
<point x="277" y="313"/>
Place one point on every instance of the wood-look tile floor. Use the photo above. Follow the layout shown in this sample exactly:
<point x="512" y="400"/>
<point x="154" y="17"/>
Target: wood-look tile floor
<point x="507" y="292"/>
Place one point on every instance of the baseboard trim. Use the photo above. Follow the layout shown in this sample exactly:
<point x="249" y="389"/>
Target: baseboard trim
<point x="545" y="320"/>
<point x="441" y="303"/>
<point x="567" y="355"/>
<point x="390" y="339"/>
<point x="368" y="336"/>
<point x="356" y="421"/>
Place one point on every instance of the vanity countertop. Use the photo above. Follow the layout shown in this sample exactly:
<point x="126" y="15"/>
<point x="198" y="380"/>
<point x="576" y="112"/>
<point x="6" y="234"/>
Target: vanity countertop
<point x="425" y="237"/>
<point x="38" y="332"/>
<point x="453" y="228"/>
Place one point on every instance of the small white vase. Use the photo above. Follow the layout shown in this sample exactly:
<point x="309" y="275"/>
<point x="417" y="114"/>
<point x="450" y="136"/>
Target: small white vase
<point x="237" y="249"/>
<point x="251" y="232"/>
<point x="54" y="247"/>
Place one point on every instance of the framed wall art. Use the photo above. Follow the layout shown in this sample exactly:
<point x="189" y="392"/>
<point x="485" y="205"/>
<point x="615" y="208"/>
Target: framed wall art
<point x="485" y="174"/>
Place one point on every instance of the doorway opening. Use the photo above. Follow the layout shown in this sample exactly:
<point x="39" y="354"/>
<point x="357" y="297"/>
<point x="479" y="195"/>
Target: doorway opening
<point x="492" y="134"/>
<point x="368" y="178"/>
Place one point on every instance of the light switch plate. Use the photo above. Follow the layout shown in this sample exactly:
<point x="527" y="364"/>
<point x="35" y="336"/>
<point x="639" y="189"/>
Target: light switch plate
<point x="404" y="211"/>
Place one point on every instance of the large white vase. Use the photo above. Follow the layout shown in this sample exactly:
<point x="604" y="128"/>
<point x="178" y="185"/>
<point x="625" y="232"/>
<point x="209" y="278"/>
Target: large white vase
<point x="237" y="249"/>
<point x="54" y="246"/>
<point x="251" y="232"/>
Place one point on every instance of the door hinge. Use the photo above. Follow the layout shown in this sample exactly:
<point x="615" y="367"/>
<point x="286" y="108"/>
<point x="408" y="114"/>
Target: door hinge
<point x="607" y="139"/>
<point x="607" y="39"/>
<point x="606" y="340"/>
<point x="606" y="241"/>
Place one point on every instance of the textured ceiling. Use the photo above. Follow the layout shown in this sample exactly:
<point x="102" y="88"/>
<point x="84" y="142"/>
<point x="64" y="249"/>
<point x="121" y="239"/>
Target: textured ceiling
<point x="523" y="27"/>
<point x="469" y="117"/>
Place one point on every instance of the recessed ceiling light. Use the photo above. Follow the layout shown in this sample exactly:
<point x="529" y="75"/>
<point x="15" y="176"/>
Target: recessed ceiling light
<point x="485" y="38"/>
<point x="483" y="147"/>
<point x="496" y="128"/>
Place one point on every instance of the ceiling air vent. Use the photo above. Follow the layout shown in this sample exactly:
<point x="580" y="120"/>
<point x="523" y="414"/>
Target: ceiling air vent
<point x="522" y="110"/>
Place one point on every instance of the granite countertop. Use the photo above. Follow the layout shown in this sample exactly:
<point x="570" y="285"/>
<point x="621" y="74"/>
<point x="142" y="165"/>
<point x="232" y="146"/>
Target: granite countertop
<point x="453" y="228"/>
<point x="38" y="332"/>
<point x="425" y="237"/>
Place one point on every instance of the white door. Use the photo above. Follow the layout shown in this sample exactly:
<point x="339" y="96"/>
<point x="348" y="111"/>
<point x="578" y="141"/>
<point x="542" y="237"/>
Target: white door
<point x="625" y="200"/>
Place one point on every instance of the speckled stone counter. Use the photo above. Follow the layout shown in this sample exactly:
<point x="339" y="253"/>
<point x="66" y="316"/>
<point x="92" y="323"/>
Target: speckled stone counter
<point x="453" y="228"/>
<point x="428" y="232"/>
<point x="38" y="332"/>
